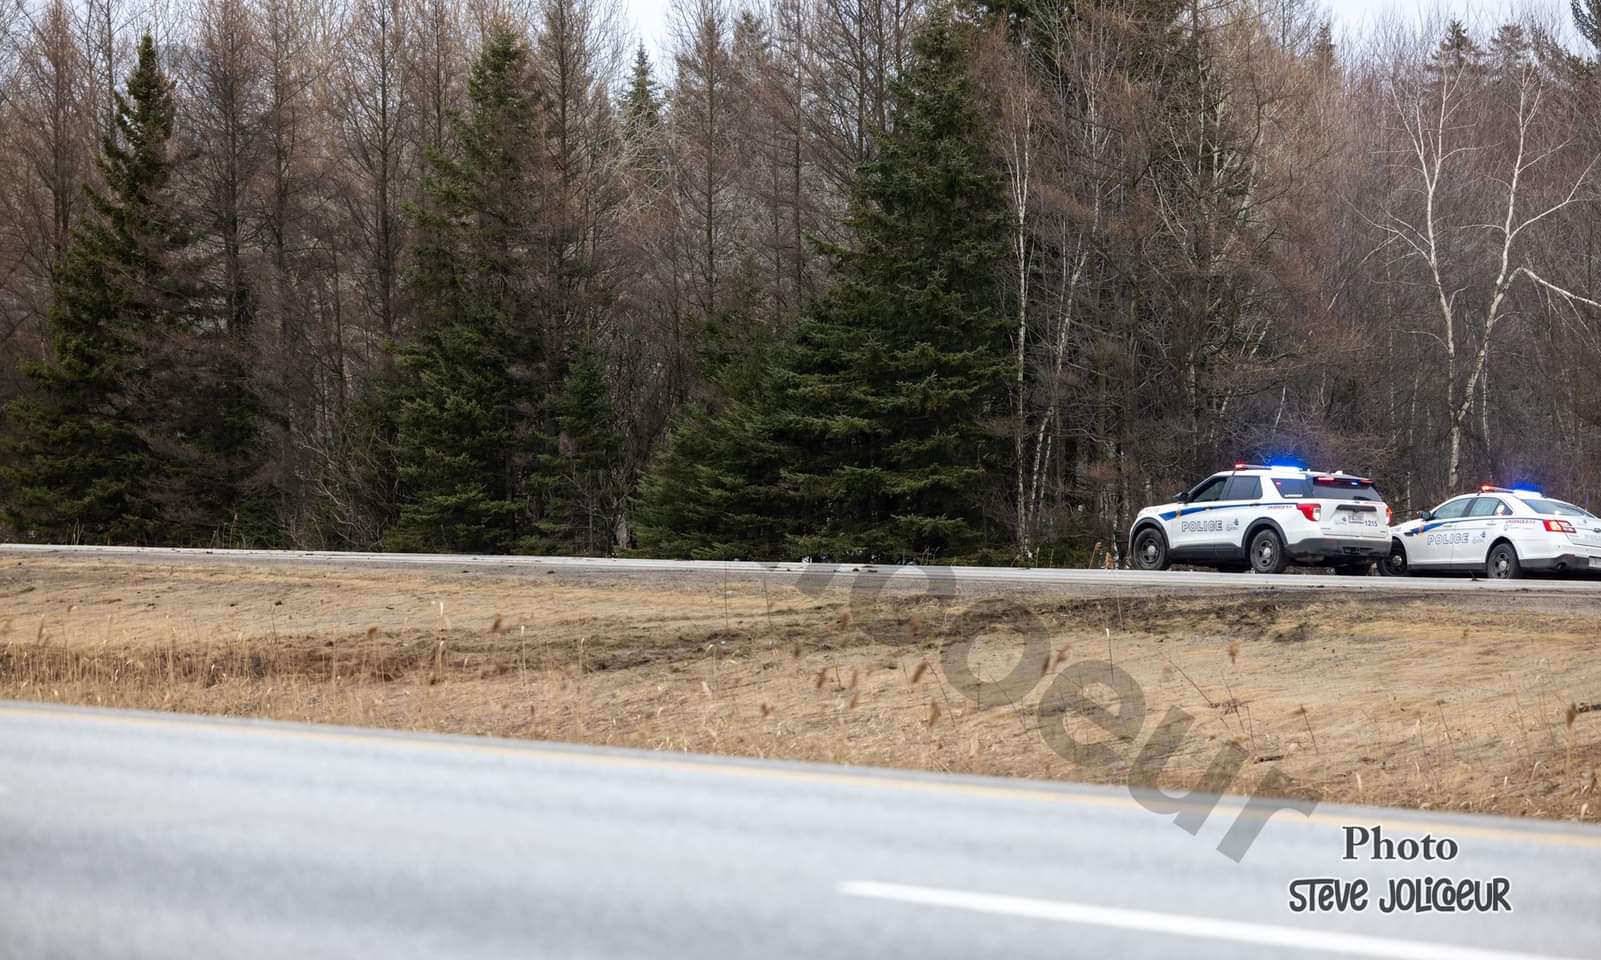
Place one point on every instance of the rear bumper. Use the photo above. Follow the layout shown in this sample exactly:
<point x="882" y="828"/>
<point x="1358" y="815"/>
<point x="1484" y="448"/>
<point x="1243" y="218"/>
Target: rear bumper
<point x="1316" y="549"/>
<point x="1566" y="562"/>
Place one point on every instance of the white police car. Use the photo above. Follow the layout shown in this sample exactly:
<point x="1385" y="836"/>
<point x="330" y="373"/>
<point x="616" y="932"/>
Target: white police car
<point x="1264" y="518"/>
<point x="1498" y="532"/>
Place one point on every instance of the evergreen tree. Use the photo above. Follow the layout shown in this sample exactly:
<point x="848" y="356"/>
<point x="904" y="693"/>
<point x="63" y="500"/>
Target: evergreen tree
<point x="77" y="464"/>
<point x="581" y="491"/>
<point x="898" y="369"/>
<point x="1457" y="50"/>
<point x="714" y="490"/>
<point x="461" y="443"/>
<point x="642" y="131"/>
<point x="867" y="437"/>
<point x="642" y="106"/>
<point x="1324" y="53"/>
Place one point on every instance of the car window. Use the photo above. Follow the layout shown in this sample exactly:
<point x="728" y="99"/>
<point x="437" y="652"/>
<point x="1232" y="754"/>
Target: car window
<point x="1342" y="488"/>
<point x="1243" y="488"/>
<point x="1452" y="509"/>
<point x="1488" y="507"/>
<point x="1558" y="508"/>
<point x="1210" y="490"/>
<point x="1291" y="488"/>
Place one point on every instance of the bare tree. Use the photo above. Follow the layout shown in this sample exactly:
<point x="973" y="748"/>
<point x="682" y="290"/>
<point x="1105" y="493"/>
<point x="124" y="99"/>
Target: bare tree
<point x="225" y="110"/>
<point x="702" y="137"/>
<point x="1472" y="208"/>
<point x="371" y="113"/>
<point x="436" y="54"/>
<point x="48" y="150"/>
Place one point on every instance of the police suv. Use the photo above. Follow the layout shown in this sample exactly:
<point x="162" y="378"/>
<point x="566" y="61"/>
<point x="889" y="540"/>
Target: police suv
<point x="1264" y="518"/>
<point x="1497" y="531"/>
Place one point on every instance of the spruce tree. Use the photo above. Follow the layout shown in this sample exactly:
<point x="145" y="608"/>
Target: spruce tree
<point x="714" y="489"/>
<point x="887" y="401"/>
<point x="461" y="402"/>
<point x="580" y="488"/>
<point x="642" y="106"/>
<point x="77" y="464"/>
<point x="869" y="436"/>
<point x="1457" y="50"/>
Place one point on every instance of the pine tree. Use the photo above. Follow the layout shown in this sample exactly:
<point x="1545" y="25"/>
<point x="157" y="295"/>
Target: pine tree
<point x="461" y="442"/>
<point x="581" y="491"/>
<point x="901" y="364"/>
<point x="77" y="464"/>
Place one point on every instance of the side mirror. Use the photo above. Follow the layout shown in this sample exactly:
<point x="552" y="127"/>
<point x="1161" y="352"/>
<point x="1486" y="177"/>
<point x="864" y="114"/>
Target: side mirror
<point x="1425" y="514"/>
<point x="1183" y="496"/>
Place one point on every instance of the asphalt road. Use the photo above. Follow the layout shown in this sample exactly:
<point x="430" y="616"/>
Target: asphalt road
<point x="146" y="835"/>
<point x="936" y="579"/>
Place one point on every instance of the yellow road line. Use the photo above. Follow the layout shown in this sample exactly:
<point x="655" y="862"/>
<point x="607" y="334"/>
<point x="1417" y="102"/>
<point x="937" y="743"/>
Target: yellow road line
<point x="829" y="777"/>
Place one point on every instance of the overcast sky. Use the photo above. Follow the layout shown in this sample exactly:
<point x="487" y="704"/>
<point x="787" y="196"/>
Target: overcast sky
<point x="649" y="17"/>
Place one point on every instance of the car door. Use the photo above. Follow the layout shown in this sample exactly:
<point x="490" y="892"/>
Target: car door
<point x="1430" y="545"/>
<point x="1484" y="519"/>
<point x="1188" y="531"/>
<point x="1239" y="495"/>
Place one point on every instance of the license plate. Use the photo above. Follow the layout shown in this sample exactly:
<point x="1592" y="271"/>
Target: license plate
<point x="1361" y="520"/>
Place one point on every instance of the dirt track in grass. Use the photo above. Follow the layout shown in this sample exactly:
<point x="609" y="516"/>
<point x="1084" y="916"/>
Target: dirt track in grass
<point x="1467" y="703"/>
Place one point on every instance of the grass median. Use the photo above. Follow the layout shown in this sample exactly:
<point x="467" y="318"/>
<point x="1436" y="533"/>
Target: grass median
<point x="1465" y="703"/>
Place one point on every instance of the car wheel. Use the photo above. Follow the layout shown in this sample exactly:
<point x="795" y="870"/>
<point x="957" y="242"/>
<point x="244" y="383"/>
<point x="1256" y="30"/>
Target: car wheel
<point x="1394" y="564"/>
<point x="1150" y="550"/>
<point x="1502" y="564"/>
<point x="1267" y="553"/>
<point x="1353" y="569"/>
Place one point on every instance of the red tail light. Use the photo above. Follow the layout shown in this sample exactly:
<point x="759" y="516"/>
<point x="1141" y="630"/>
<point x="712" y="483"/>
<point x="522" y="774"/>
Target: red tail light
<point x="1559" y="526"/>
<point x="1311" y="511"/>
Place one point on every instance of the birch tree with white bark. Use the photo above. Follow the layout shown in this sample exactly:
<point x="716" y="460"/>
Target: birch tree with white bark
<point x="1477" y="163"/>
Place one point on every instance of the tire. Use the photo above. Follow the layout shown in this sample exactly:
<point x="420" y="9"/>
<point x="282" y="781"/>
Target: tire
<point x="1395" y="563"/>
<point x="1149" y="550"/>
<point x="1267" y="552"/>
<point x="1502" y="563"/>
<point x="1353" y="569"/>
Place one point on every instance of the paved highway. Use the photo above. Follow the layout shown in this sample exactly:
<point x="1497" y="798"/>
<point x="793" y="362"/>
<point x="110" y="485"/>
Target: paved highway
<point x="934" y="578"/>
<point x="146" y="835"/>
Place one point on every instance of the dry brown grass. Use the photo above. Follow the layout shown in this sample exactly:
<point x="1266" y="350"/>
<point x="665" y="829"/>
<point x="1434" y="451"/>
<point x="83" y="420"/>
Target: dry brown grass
<point x="1398" y="702"/>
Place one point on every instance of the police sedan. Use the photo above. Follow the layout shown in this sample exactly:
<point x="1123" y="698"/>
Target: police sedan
<point x="1498" y="532"/>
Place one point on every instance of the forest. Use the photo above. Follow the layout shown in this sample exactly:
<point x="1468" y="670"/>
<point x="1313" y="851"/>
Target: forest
<point x="893" y="280"/>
